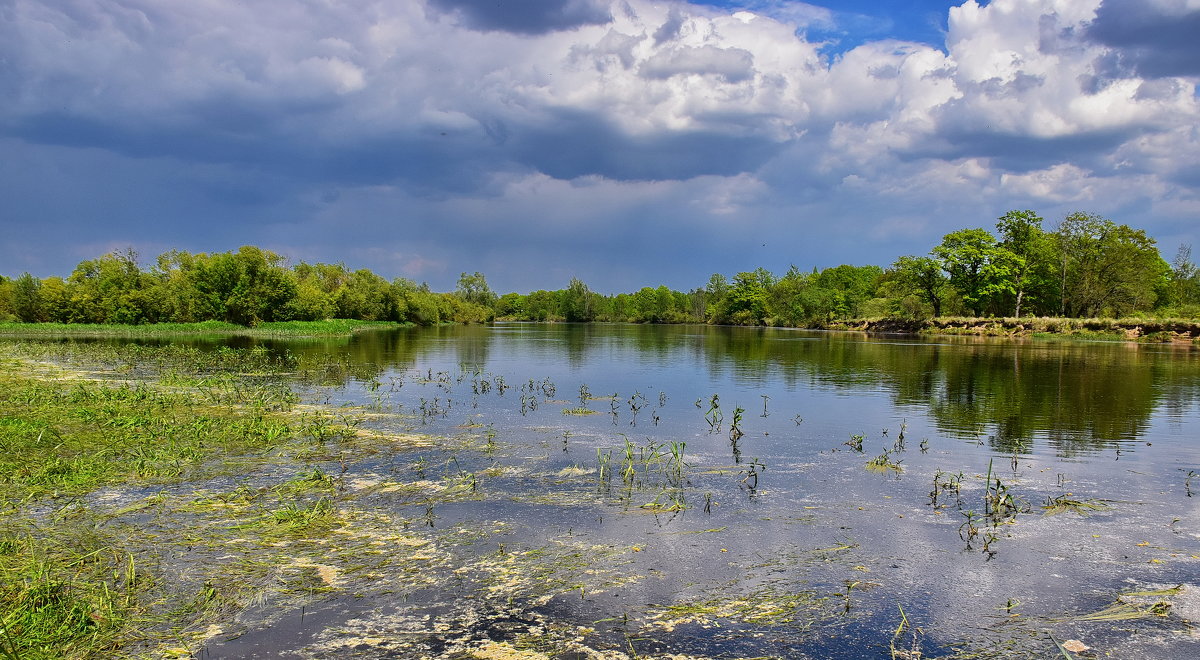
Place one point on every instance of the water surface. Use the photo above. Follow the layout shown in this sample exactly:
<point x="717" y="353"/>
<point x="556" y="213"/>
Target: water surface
<point x="783" y="543"/>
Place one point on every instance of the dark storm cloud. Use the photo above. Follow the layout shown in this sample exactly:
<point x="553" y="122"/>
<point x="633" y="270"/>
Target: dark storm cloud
<point x="574" y="144"/>
<point x="526" y="16"/>
<point x="963" y="136"/>
<point x="1154" y="40"/>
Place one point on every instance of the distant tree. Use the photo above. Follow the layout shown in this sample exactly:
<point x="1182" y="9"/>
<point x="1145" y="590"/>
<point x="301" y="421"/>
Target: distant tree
<point x="1107" y="268"/>
<point x="923" y="277"/>
<point x="977" y="269"/>
<point x="542" y="306"/>
<point x="746" y="301"/>
<point x="27" y="299"/>
<point x="575" y="304"/>
<point x="511" y="304"/>
<point x="1022" y="237"/>
<point x="474" y="288"/>
<point x="789" y="301"/>
<point x="6" y="299"/>
<point x="113" y="289"/>
<point x="1185" y="278"/>
<point x="847" y="287"/>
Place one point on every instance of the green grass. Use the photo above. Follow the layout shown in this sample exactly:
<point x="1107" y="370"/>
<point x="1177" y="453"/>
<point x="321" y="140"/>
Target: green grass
<point x="82" y="578"/>
<point x="328" y="328"/>
<point x="69" y="437"/>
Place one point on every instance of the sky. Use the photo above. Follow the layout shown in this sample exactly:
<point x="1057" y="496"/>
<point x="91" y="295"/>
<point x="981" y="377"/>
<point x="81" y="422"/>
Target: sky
<point x="625" y="142"/>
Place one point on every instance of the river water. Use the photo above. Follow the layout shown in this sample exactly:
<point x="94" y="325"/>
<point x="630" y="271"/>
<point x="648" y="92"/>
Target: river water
<point x="878" y="484"/>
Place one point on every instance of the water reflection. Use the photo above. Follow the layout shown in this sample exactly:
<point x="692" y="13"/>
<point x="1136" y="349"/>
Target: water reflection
<point x="1073" y="396"/>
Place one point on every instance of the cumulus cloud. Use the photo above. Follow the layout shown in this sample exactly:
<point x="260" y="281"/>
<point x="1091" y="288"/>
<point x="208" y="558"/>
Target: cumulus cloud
<point x="444" y="118"/>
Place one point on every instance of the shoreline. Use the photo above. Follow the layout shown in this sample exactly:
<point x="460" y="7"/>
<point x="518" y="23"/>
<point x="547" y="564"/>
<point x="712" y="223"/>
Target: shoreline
<point x="1174" y="331"/>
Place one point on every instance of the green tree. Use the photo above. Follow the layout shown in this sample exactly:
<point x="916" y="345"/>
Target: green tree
<point x="1185" y="278"/>
<point x="1022" y="237"/>
<point x="848" y="288"/>
<point x="6" y="299"/>
<point x="746" y="300"/>
<point x="511" y="305"/>
<point x="575" y="303"/>
<point x="1107" y="268"/>
<point x="474" y="288"/>
<point x="27" y="299"/>
<point x="923" y="277"/>
<point x="977" y="269"/>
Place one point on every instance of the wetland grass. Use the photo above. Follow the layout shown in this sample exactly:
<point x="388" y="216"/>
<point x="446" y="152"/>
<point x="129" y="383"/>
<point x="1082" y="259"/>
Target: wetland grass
<point x="883" y="464"/>
<point x="88" y="568"/>
<point x="1064" y="503"/>
<point x="856" y="443"/>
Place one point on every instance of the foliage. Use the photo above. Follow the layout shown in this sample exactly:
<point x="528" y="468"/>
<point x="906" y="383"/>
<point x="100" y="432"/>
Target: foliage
<point x="1088" y="266"/>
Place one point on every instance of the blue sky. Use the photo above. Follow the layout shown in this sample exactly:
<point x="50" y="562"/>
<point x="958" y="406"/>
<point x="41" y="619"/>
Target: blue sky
<point x="624" y="142"/>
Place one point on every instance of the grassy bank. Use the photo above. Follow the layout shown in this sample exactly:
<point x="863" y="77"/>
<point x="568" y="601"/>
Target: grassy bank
<point x="328" y="328"/>
<point x="1128" y="329"/>
<point x="113" y="542"/>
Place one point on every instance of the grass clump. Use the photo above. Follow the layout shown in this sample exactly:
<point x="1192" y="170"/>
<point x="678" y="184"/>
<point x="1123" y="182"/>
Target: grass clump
<point x="578" y="411"/>
<point x="70" y="593"/>
<point x="1064" y="503"/>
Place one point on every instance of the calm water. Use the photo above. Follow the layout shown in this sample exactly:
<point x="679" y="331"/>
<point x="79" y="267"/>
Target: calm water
<point x="791" y="508"/>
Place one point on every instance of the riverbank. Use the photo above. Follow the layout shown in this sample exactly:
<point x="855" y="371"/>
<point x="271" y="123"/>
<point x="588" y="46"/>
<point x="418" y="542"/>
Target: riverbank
<point x="327" y="328"/>
<point x="1133" y="329"/>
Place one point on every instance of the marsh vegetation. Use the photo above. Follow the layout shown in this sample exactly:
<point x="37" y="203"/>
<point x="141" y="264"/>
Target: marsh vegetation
<point x="419" y="492"/>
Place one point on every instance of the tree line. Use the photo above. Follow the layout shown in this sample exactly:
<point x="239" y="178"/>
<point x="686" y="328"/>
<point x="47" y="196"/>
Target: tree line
<point x="1087" y="266"/>
<point x="248" y="286"/>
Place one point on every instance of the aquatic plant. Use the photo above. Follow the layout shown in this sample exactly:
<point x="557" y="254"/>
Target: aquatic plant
<point x="713" y="416"/>
<point x="855" y="442"/>
<point x="735" y="426"/>
<point x="1063" y="503"/>
<point x="883" y="464"/>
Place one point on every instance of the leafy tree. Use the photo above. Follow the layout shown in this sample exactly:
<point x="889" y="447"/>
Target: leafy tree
<point x="746" y="300"/>
<point x="1185" y="278"/>
<point x="511" y="304"/>
<point x="923" y="277"/>
<point x="6" y="299"/>
<point x="1106" y="267"/>
<point x="365" y="296"/>
<point x="977" y="269"/>
<point x="27" y="299"/>
<point x="1022" y="237"/>
<point x="575" y="303"/>
<point x="474" y="288"/>
<point x="113" y="289"/>
<point x="849" y="287"/>
<point x="542" y="306"/>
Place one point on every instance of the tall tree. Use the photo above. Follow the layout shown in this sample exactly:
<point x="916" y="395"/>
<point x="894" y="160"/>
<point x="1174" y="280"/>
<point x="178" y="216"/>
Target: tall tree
<point x="27" y="299"/>
<point x="1107" y="268"/>
<point x="576" y="302"/>
<point x="971" y="259"/>
<point x="474" y="288"/>
<point x="923" y="277"/>
<point x="1021" y="235"/>
<point x="1185" y="278"/>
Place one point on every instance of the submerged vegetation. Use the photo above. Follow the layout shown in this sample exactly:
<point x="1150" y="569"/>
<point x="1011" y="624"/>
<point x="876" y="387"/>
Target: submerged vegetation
<point x="169" y="500"/>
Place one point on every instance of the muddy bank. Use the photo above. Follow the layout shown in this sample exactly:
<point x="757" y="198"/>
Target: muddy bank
<point x="1145" y="330"/>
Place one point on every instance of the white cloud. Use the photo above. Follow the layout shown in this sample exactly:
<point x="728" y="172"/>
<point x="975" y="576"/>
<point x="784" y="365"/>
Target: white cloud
<point x="595" y="112"/>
